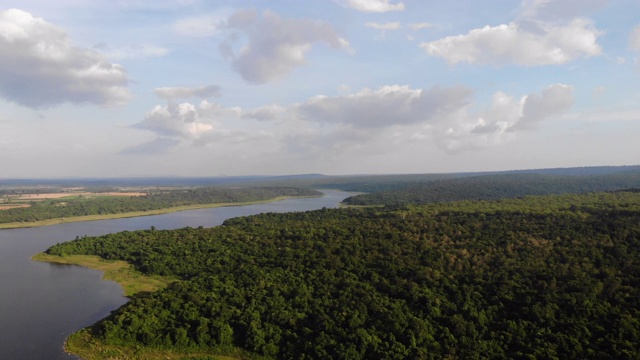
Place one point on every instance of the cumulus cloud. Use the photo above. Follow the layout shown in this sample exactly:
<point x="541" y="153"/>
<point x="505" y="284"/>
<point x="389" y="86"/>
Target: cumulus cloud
<point x="634" y="39"/>
<point x="511" y="44"/>
<point x="377" y="6"/>
<point x="204" y="92"/>
<point x="39" y="66"/>
<point x="360" y="121"/>
<point x="464" y="130"/>
<point x="389" y="105"/>
<point x="200" y="125"/>
<point x="384" y="26"/>
<point x="275" y="46"/>
<point x="551" y="101"/>
<point x="185" y="120"/>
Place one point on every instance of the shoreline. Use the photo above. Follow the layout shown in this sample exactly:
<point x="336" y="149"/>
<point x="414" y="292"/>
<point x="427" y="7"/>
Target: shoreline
<point x="56" y="221"/>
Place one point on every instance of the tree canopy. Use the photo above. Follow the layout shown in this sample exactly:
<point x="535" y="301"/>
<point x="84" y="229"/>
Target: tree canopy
<point x="553" y="277"/>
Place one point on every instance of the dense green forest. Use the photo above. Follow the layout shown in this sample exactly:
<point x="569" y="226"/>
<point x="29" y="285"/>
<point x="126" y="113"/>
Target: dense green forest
<point x="61" y="208"/>
<point x="544" y="277"/>
<point x="497" y="186"/>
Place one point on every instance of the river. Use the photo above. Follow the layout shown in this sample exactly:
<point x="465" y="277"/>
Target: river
<point x="42" y="303"/>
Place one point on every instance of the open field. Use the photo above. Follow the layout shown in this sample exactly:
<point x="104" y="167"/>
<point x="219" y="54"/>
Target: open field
<point x="38" y="196"/>
<point x="13" y="206"/>
<point x="14" y="201"/>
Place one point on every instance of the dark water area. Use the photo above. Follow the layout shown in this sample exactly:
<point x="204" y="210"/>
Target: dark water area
<point x="42" y="303"/>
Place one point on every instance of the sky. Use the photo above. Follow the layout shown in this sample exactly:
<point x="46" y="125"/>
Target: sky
<point x="92" y="88"/>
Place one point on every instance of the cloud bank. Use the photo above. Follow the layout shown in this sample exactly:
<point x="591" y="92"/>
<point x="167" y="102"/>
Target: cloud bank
<point x="366" y="119"/>
<point x="39" y="67"/>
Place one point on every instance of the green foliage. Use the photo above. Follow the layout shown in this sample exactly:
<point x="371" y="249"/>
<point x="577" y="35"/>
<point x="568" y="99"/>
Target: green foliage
<point x="493" y="187"/>
<point x="552" y="277"/>
<point x="61" y="208"/>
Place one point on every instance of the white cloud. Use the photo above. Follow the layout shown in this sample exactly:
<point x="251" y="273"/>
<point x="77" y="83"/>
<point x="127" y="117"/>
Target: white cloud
<point x="464" y="131"/>
<point x="172" y="93"/>
<point x="551" y="101"/>
<point x="275" y="46"/>
<point x="384" y="26"/>
<point x="634" y="39"/>
<point x="361" y="121"/>
<point x="199" y="125"/>
<point x="387" y="106"/>
<point x="185" y="120"/>
<point x="510" y="44"/>
<point x="39" y="67"/>
<point x="378" y="6"/>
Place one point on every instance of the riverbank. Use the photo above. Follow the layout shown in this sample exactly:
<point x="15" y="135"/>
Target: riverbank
<point x="86" y="346"/>
<point x="15" y="225"/>
<point x="132" y="282"/>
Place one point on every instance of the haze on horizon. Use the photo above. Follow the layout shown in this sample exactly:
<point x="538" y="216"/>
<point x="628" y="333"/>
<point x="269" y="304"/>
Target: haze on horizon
<point x="93" y="88"/>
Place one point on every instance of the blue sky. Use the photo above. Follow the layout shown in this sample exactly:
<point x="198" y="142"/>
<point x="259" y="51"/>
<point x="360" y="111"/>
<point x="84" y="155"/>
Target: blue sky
<point x="204" y="88"/>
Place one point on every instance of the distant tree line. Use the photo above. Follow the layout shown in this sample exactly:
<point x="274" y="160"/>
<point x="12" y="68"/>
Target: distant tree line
<point x="544" y="277"/>
<point x="493" y="187"/>
<point x="102" y="205"/>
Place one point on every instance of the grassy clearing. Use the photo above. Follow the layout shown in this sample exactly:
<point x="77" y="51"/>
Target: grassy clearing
<point x="132" y="281"/>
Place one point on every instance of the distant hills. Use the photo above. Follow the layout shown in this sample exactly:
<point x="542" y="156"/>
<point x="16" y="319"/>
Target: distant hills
<point x="362" y="182"/>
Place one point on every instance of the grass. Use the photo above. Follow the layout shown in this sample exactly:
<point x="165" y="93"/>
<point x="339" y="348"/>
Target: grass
<point x="133" y="282"/>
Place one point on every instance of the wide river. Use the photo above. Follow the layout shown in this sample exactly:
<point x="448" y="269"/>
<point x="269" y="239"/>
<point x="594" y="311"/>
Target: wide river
<point x="42" y="303"/>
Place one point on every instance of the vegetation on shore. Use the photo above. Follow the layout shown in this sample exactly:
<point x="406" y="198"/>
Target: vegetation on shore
<point x="56" y="211"/>
<point x="539" y="277"/>
<point x="87" y="346"/>
<point x="494" y="187"/>
<point x="133" y="282"/>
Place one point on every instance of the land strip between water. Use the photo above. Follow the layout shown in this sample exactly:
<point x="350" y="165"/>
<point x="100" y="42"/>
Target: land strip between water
<point x="47" y="222"/>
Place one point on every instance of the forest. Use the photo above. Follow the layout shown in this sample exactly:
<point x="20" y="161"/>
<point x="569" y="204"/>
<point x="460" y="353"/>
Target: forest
<point x="153" y="200"/>
<point x="497" y="186"/>
<point x="538" y="277"/>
